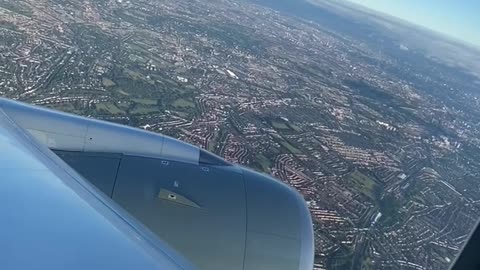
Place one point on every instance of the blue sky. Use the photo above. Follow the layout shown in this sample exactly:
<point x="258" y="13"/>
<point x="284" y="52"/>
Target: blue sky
<point x="456" y="18"/>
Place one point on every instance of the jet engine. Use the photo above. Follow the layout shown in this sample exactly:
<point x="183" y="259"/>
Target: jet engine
<point x="218" y="215"/>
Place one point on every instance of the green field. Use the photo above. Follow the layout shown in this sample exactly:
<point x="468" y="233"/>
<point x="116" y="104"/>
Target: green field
<point x="363" y="184"/>
<point x="119" y="90"/>
<point x="107" y="82"/>
<point x="107" y="107"/>
<point x="145" y="101"/>
<point x="141" y="109"/>
<point x="264" y="162"/>
<point x="294" y="127"/>
<point x="124" y="106"/>
<point x="212" y="144"/>
<point x="367" y="264"/>
<point x="279" y="125"/>
<point x="65" y="107"/>
<point x="181" y="114"/>
<point x="282" y="125"/>
<point x="290" y="147"/>
<point x="134" y="75"/>
<point x="183" y="103"/>
<point x="285" y="144"/>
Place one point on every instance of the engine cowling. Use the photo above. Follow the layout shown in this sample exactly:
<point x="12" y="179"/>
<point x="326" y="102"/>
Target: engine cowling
<point x="218" y="215"/>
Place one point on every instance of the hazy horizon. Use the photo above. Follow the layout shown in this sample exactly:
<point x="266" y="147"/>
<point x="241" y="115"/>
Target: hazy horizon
<point x="457" y="20"/>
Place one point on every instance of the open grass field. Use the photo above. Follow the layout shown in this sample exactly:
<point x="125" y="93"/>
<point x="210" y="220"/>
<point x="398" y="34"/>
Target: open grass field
<point x="183" y="103"/>
<point x="108" y="107"/>
<point x="363" y="184"/>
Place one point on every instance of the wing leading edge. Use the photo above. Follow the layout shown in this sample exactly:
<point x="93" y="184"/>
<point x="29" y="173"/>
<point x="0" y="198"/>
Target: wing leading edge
<point x="53" y="219"/>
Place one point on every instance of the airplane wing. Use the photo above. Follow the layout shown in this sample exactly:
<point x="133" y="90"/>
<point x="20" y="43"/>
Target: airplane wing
<point x="133" y="199"/>
<point x="468" y="258"/>
<point x="53" y="219"/>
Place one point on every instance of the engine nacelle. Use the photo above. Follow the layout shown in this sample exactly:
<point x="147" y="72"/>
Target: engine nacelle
<point x="218" y="215"/>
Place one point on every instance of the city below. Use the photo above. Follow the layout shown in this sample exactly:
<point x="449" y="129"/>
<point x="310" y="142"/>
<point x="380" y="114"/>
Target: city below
<point x="380" y="135"/>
